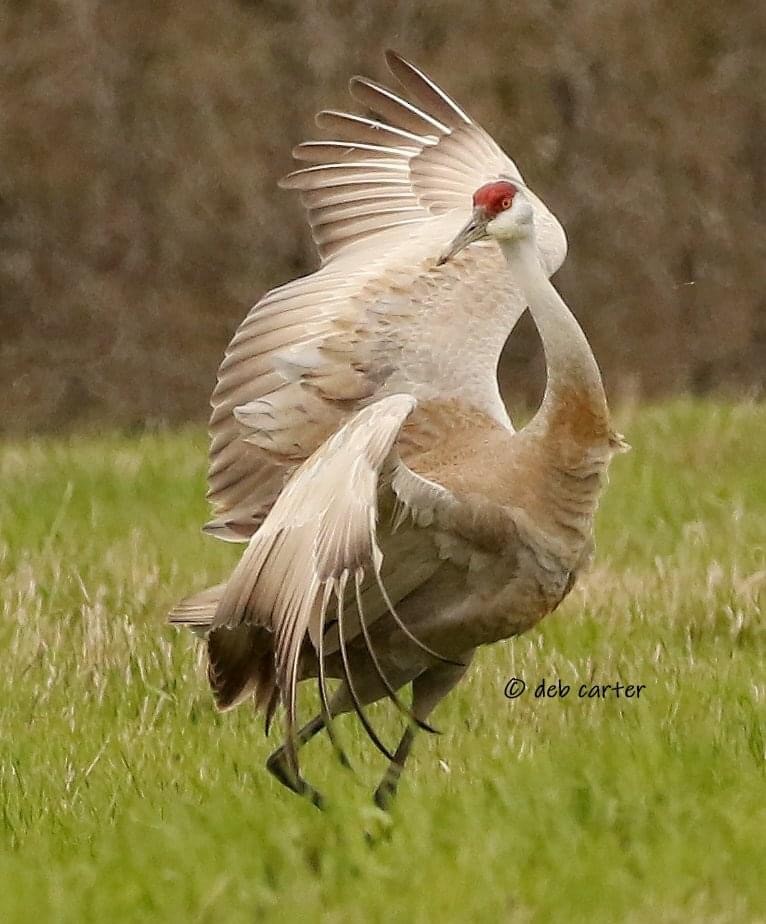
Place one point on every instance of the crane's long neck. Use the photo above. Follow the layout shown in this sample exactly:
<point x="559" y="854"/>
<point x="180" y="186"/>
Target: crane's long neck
<point x="574" y="406"/>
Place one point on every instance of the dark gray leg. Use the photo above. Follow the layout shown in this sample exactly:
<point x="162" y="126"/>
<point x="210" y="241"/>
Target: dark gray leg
<point x="386" y="791"/>
<point x="279" y="766"/>
<point x="427" y="691"/>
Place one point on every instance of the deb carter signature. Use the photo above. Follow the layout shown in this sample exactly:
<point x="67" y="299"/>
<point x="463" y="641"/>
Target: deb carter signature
<point x="517" y="687"/>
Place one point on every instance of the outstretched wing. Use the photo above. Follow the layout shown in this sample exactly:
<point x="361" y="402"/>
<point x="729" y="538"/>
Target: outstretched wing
<point x="384" y="196"/>
<point x="420" y="157"/>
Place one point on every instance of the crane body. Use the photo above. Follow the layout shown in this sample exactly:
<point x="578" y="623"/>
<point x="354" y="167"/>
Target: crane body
<point x="394" y="520"/>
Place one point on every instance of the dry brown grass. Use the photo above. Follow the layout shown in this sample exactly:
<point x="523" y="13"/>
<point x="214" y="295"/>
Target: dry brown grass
<point x="140" y="143"/>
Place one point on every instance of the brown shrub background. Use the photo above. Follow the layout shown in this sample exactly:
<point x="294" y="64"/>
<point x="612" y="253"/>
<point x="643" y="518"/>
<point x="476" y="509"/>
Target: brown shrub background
<point x="140" y="143"/>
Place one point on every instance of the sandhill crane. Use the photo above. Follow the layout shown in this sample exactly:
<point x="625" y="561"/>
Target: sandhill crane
<point x="394" y="519"/>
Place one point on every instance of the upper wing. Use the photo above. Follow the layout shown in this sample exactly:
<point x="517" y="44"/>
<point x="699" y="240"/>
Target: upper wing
<point x="383" y="201"/>
<point x="421" y="157"/>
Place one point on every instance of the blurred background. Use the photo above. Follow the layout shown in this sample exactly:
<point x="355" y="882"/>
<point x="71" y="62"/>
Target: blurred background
<point x="140" y="144"/>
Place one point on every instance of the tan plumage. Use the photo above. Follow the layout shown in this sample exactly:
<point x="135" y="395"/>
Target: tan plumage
<point x="394" y="520"/>
<point x="310" y="347"/>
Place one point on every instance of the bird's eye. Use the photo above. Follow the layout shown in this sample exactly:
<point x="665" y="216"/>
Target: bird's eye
<point x="506" y="203"/>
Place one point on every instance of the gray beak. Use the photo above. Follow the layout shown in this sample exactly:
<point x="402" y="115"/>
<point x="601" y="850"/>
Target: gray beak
<point x="475" y="230"/>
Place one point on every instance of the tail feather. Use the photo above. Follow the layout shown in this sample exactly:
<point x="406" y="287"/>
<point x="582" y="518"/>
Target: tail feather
<point x="197" y="611"/>
<point x="240" y="659"/>
<point x="241" y="662"/>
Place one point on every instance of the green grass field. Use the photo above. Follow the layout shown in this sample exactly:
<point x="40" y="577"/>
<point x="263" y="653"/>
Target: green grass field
<point x="125" y="797"/>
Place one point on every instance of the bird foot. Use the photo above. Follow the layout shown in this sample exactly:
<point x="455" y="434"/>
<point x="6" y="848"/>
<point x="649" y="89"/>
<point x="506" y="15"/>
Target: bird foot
<point x="379" y="827"/>
<point x="384" y="795"/>
<point x="279" y="768"/>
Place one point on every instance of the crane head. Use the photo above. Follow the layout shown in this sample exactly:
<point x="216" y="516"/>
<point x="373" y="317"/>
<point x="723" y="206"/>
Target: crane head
<point x="500" y="210"/>
<point x="494" y="198"/>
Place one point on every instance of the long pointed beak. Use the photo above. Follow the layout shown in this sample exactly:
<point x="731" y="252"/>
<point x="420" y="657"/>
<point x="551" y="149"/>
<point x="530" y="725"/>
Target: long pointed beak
<point x="475" y="230"/>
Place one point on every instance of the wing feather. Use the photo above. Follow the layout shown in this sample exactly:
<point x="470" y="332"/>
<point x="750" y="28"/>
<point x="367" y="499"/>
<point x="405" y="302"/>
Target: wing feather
<point x="426" y="92"/>
<point x="320" y="531"/>
<point x="393" y="108"/>
<point x="329" y="152"/>
<point x="352" y="127"/>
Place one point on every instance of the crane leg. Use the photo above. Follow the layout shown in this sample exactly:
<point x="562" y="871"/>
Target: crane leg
<point x="428" y="689"/>
<point x="278" y="763"/>
<point x="279" y="767"/>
